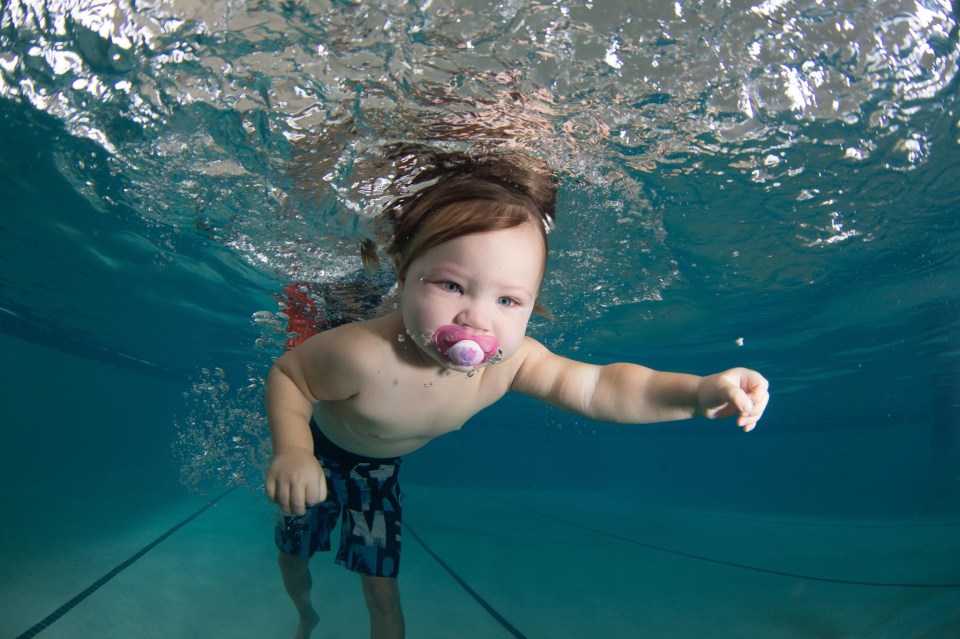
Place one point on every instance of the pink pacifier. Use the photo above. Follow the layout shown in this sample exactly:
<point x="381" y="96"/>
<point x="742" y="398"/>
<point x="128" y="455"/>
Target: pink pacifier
<point x="464" y="349"/>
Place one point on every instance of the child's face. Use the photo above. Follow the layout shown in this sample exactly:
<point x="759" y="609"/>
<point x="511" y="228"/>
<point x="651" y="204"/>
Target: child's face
<point x="486" y="283"/>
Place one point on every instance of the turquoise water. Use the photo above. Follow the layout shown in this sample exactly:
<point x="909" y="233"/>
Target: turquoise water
<point x="773" y="184"/>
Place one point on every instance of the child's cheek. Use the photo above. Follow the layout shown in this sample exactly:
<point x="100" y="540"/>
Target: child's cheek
<point x="510" y="345"/>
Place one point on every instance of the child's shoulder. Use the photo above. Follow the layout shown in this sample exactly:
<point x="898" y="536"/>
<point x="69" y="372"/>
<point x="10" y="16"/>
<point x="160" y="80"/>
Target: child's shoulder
<point x="536" y="367"/>
<point x="347" y="341"/>
<point x="351" y="351"/>
<point x="364" y="333"/>
<point x="531" y="348"/>
<point x="526" y="354"/>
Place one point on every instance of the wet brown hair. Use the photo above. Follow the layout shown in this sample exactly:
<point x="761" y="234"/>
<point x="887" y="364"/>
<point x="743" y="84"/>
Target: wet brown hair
<point x="454" y="194"/>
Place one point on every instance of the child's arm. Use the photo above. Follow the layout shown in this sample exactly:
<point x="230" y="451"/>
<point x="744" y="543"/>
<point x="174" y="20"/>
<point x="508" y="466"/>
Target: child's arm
<point x="296" y="381"/>
<point x="629" y="393"/>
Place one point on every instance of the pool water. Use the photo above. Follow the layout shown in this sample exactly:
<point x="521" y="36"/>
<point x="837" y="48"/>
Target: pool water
<point x="767" y="184"/>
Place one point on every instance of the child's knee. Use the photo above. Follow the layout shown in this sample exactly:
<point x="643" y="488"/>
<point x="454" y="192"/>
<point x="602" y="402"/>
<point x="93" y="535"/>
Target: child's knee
<point x="382" y="594"/>
<point x="292" y="562"/>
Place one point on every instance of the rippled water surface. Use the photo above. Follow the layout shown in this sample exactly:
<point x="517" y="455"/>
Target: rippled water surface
<point x="765" y="148"/>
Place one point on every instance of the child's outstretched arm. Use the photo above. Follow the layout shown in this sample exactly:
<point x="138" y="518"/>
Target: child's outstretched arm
<point x="302" y="377"/>
<point x="629" y="393"/>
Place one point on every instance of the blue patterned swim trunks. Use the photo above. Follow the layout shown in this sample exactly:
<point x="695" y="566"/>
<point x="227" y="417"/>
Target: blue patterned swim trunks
<point x="364" y="493"/>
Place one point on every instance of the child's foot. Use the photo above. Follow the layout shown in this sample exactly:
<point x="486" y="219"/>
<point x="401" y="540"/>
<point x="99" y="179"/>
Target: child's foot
<point x="307" y="624"/>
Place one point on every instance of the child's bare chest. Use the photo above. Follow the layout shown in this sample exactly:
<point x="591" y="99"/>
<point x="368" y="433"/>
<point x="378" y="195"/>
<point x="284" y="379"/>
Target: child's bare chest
<point x="411" y="408"/>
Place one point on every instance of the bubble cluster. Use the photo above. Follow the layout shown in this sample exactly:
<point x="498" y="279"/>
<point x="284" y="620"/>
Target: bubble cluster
<point x="222" y="435"/>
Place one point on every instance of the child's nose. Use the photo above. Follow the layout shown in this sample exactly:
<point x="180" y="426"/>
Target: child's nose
<point x="474" y="316"/>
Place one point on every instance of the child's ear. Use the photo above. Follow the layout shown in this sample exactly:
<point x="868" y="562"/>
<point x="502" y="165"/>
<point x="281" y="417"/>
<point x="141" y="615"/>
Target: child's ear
<point x="369" y="257"/>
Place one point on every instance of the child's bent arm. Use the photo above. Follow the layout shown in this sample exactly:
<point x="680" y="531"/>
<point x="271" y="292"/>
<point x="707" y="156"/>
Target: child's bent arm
<point x="312" y="372"/>
<point x="295" y="479"/>
<point x="288" y="412"/>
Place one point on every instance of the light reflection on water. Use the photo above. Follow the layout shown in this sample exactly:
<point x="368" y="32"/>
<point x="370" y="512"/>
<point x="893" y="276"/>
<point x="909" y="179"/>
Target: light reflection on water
<point x="263" y="124"/>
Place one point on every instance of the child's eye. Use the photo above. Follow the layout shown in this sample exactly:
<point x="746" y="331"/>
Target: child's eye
<point x="453" y="287"/>
<point x="506" y="301"/>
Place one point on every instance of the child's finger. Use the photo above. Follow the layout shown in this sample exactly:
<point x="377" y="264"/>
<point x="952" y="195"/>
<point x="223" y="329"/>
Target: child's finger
<point x="760" y="404"/>
<point x="294" y="504"/>
<point x="281" y="497"/>
<point x="742" y="401"/>
<point x="748" y="419"/>
<point x="315" y="493"/>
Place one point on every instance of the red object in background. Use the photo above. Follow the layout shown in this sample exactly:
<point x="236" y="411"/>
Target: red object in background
<point x="304" y="318"/>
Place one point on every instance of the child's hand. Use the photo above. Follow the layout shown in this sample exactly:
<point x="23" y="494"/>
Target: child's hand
<point x="738" y="391"/>
<point x="295" y="481"/>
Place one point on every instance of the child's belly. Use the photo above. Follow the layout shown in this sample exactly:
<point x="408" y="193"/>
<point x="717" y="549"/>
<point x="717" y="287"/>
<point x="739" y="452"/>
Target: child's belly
<point x="381" y="432"/>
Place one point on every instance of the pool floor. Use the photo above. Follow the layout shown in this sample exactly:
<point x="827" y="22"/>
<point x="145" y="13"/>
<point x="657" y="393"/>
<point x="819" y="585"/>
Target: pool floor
<point x="483" y="565"/>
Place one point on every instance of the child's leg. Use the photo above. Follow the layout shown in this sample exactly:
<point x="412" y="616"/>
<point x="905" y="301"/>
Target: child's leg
<point x="298" y="583"/>
<point x="382" y="595"/>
